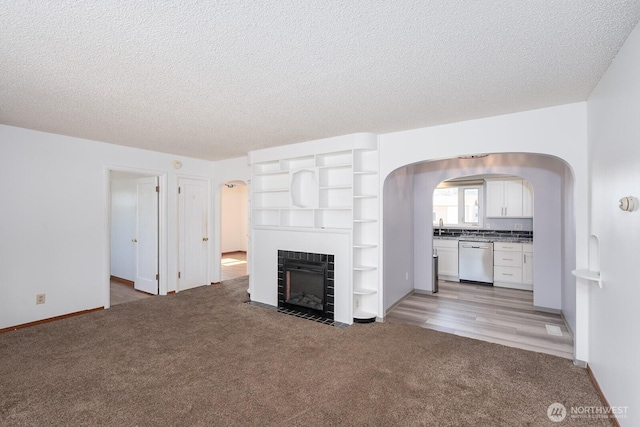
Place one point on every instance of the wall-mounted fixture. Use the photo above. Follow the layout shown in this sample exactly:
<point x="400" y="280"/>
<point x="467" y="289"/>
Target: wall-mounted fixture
<point x="177" y="164"/>
<point x="627" y="204"/>
<point x="230" y="185"/>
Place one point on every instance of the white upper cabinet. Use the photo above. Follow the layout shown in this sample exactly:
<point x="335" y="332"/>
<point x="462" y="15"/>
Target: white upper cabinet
<point x="509" y="198"/>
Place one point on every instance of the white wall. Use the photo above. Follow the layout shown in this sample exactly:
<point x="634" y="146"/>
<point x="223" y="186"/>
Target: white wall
<point x="398" y="250"/>
<point x="557" y="131"/>
<point x="614" y="145"/>
<point x="123" y="227"/>
<point x="568" y="251"/>
<point x="234" y="232"/>
<point x="55" y="235"/>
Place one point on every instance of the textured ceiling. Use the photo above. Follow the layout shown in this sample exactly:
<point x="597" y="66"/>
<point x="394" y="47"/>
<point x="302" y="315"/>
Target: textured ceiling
<point x="216" y="79"/>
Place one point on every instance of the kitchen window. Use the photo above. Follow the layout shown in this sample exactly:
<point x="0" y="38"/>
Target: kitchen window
<point x="457" y="205"/>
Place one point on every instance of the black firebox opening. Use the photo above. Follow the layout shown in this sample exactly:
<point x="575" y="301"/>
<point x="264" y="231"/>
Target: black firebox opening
<point x="305" y="283"/>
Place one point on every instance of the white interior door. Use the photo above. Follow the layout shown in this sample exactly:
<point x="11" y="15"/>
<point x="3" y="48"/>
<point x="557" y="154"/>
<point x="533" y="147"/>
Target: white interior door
<point x="146" y="239"/>
<point x="193" y="233"/>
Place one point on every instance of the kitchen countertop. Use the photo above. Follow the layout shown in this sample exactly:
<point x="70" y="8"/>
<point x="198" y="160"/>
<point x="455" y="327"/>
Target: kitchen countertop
<point x="481" y="238"/>
<point x="484" y="239"/>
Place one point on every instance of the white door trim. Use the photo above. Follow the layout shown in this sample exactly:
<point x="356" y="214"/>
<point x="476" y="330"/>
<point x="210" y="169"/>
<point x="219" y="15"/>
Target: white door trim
<point x="162" y="234"/>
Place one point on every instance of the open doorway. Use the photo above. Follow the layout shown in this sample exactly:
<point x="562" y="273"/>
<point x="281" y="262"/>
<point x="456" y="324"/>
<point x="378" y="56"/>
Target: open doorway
<point x="234" y="228"/>
<point x="134" y="236"/>
<point x="412" y="224"/>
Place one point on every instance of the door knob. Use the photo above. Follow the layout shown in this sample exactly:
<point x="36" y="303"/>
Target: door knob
<point x="134" y="240"/>
<point x="205" y="239"/>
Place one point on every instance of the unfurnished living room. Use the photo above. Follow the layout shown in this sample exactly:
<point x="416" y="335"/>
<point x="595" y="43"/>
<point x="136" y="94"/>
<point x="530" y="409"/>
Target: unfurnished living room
<point x="406" y="213"/>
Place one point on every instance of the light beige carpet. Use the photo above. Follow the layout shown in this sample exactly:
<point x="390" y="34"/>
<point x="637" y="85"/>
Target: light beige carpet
<point x="204" y="357"/>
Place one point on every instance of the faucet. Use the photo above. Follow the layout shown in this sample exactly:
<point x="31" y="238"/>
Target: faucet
<point x="441" y="223"/>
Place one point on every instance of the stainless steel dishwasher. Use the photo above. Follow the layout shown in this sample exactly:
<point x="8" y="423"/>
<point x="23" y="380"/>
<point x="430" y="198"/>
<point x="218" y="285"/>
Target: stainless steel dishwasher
<point x="475" y="261"/>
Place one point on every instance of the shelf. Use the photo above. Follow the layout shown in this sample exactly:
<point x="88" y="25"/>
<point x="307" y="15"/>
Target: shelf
<point x="336" y="187"/>
<point x="362" y="291"/>
<point x="340" y="158"/>
<point x="265" y="168"/>
<point x="272" y="190"/>
<point x="335" y="197"/>
<point x="593" y="276"/>
<point x="360" y="316"/>
<point x="335" y="208"/>
<point x="364" y="196"/>
<point x="364" y="268"/>
<point x="365" y="220"/>
<point x="270" y="173"/>
<point x="364" y="246"/>
<point x="302" y="218"/>
<point x="333" y="218"/>
<point x="266" y="217"/>
<point x="365" y="173"/>
<point x="298" y="163"/>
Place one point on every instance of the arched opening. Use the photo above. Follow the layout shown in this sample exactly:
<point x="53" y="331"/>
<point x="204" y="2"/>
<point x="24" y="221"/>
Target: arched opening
<point x="234" y="229"/>
<point x="408" y="227"/>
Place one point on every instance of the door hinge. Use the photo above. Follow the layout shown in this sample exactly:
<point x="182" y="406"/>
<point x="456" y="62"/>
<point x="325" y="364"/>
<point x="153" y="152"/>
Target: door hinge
<point x="157" y="188"/>
<point x="157" y="277"/>
<point x="179" y="190"/>
<point x="178" y="274"/>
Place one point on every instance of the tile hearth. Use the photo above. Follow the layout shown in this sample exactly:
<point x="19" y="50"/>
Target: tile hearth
<point x="305" y="316"/>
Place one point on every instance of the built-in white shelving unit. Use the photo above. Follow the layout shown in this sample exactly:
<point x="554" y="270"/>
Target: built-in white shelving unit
<point x="304" y="192"/>
<point x="365" y="233"/>
<point x="336" y="190"/>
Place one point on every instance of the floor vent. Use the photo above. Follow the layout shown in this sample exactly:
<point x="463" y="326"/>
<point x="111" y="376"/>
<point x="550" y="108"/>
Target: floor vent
<point x="554" y="330"/>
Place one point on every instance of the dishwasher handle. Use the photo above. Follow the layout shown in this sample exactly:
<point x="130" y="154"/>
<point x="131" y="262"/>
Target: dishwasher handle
<point x="472" y="246"/>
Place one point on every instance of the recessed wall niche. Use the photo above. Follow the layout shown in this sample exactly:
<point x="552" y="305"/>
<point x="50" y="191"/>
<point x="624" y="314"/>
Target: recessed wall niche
<point x="304" y="189"/>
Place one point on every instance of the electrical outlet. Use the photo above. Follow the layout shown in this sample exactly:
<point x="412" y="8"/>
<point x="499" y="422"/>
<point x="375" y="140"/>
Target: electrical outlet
<point x="40" y="298"/>
<point x="518" y="226"/>
<point x="357" y="302"/>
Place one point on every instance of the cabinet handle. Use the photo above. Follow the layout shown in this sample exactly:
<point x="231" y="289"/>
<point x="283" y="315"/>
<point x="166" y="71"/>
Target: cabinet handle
<point x="507" y="274"/>
<point x="525" y="258"/>
<point x="507" y="259"/>
<point x="505" y="211"/>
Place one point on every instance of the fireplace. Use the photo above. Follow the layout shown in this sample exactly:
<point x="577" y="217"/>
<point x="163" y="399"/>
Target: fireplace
<point x="305" y="283"/>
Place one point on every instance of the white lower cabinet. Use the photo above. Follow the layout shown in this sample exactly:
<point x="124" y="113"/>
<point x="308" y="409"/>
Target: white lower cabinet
<point x="527" y="264"/>
<point x="447" y="251"/>
<point x="512" y="266"/>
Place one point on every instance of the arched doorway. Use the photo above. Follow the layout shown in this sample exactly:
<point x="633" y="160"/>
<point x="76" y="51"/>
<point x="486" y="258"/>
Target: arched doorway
<point x="234" y="229"/>
<point x="408" y="227"/>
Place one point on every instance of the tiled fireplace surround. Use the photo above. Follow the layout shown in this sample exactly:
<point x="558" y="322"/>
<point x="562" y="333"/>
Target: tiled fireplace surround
<point x="326" y="261"/>
<point x="264" y="275"/>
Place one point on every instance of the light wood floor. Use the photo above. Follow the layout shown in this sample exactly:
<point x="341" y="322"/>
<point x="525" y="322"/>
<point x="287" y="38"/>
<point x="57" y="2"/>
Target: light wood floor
<point x="498" y="315"/>
<point x="234" y="264"/>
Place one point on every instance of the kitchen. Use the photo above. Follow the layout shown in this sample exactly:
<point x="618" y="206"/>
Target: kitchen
<point x="511" y="202"/>
<point x="410" y="230"/>
<point x="483" y="231"/>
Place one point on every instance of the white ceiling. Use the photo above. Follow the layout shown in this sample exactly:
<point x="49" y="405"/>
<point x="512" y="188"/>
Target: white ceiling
<point x="216" y="79"/>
